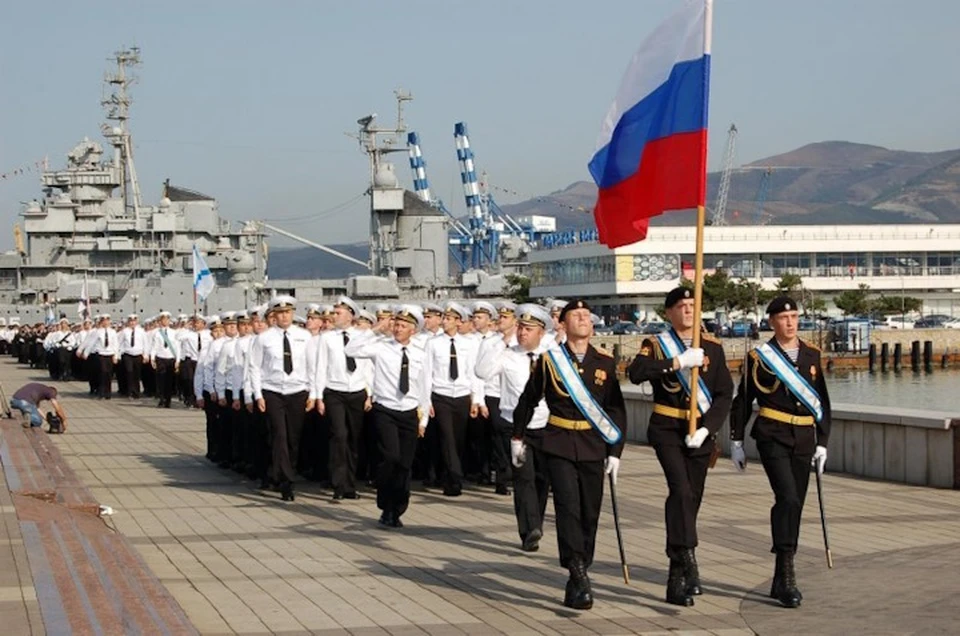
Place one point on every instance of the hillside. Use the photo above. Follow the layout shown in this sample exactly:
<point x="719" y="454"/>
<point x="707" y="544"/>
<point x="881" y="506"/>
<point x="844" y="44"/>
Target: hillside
<point x="820" y="183"/>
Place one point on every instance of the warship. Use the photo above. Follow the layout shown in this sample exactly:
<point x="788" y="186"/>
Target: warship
<point x="90" y="241"/>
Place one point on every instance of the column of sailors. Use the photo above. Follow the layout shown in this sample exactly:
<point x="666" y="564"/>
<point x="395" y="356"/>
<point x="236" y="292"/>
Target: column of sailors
<point x="350" y="397"/>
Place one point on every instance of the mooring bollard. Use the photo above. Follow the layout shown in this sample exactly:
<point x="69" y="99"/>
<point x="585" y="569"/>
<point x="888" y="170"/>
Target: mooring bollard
<point x="872" y="357"/>
<point x="915" y="356"/>
<point x="928" y="355"/>
<point x="884" y="355"/>
<point x="897" y="356"/>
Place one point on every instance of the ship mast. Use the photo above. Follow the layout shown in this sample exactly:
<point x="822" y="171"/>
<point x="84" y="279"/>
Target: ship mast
<point x="117" y="105"/>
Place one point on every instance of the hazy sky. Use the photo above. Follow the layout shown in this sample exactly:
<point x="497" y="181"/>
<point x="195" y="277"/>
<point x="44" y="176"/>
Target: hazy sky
<point x="249" y="101"/>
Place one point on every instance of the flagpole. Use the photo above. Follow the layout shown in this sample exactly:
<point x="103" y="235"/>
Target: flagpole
<point x="701" y="223"/>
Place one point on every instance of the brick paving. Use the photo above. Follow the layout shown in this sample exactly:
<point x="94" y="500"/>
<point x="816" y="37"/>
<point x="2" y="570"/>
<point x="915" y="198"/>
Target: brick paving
<point x="238" y="560"/>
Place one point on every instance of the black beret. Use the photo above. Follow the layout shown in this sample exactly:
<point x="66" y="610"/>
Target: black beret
<point x="576" y="303"/>
<point x="676" y="295"/>
<point x="780" y="304"/>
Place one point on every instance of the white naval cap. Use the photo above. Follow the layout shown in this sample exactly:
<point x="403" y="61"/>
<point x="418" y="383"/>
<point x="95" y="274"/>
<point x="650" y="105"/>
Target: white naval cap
<point x="346" y="301"/>
<point x="595" y="319"/>
<point x="457" y="309"/>
<point x="164" y="314"/>
<point x="531" y="314"/>
<point x="482" y="306"/>
<point x="243" y="316"/>
<point x="228" y="317"/>
<point x="411" y="314"/>
<point x="299" y="320"/>
<point x="133" y="317"/>
<point x="214" y="321"/>
<point x="383" y="310"/>
<point x="283" y="302"/>
<point x="506" y="307"/>
<point x="366" y="315"/>
<point x="556" y="305"/>
<point x="432" y="308"/>
<point x="313" y="309"/>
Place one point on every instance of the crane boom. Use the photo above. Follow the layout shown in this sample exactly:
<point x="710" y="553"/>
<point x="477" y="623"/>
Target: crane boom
<point x="720" y="209"/>
<point x="310" y="243"/>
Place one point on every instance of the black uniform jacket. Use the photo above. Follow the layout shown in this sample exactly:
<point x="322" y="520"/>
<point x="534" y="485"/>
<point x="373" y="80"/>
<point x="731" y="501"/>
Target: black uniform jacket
<point x="599" y="374"/>
<point x="652" y="365"/>
<point x="760" y="383"/>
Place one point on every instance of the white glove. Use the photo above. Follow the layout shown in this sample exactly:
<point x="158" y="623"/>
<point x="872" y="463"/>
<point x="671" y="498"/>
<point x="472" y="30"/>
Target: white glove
<point x="819" y="459"/>
<point x="611" y="466"/>
<point x="518" y="452"/>
<point x="691" y="358"/>
<point x="738" y="457"/>
<point x="698" y="438"/>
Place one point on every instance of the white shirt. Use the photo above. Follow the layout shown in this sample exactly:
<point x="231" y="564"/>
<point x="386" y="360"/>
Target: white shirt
<point x="436" y="369"/>
<point x="332" y="365"/>
<point x="139" y="341"/>
<point x="491" y="387"/>
<point x="58" y="340"/>
<point x="223" y="370"/>
<point x="266" y="362"/>
<point x="511" y="366"/>
<point x="104" y="342"/>
<point x="164" y="344"/>
<point x="387" y="355"/>
<point x="421" y="338"/>
<point x="240" y="380"/>
<point x="204" y="375"/>
<point x="190" y="346"/>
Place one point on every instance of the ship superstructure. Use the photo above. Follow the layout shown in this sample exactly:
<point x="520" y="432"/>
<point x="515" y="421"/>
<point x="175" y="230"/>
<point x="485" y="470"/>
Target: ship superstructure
<point x="91" y="231"/>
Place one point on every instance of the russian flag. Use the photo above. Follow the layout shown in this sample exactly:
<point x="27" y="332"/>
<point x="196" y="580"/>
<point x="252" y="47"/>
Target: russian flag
<point x="652" y="150"/>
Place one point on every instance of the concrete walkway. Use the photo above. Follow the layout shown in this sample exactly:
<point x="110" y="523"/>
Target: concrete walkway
<point x="238" y="560"/>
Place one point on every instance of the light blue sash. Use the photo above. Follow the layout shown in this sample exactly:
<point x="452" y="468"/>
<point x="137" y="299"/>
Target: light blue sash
<point x="791" y="378"/>
<point x="672" y="347"/>
<point x="582" y="397"/>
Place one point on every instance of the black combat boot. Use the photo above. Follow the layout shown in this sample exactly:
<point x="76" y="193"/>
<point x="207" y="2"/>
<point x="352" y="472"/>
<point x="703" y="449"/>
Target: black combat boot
<point x="676" y="585"/>
<point x="580" y="596"/>
<point x="784" y="587"/>
<point x="691" y="572"/>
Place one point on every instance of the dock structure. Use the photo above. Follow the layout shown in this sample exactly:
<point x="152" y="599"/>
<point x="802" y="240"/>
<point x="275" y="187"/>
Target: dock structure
<point x="191" y="548"/>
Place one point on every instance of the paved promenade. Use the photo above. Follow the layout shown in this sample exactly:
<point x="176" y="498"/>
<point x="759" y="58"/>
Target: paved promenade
<point x="210" y="552"/>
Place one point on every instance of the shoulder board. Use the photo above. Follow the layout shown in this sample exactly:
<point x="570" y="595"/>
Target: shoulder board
<point x="754" y="354"/>
<point x="709" y="338"/>
<point x="603" y="352"/>
<point x="812" y="346"/>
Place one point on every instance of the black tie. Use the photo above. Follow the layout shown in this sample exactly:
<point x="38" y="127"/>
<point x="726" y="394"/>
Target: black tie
<point x="454" y="369"/>
<point x="106" y="342"/>
<point x="351" y="363"/>
<point x="199" y="342"/>
<point x="533" y="360"/>
<point x="132" y="331"/>
<point x="404" y="373"/>
<point x="287" y="355"/>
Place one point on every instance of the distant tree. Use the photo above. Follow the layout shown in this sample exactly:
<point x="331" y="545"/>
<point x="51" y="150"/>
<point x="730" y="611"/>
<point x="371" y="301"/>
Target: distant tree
<point x="747" y="295"/>
<point x="788" y="284"/>
<point x="518" y="288"/>
<point x="886" y="305"/>
<point x="854" y="302"/>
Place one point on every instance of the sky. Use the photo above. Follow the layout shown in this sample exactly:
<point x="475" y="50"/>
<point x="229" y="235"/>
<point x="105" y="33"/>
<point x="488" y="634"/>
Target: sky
<point x="251" y="101"/>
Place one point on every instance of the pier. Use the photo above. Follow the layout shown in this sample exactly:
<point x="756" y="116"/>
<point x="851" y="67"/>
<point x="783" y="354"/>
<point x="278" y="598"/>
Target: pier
<point x="191" y="548"/>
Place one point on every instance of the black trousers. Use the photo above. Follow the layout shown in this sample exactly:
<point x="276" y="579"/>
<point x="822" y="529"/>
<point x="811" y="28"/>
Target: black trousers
<point x="226" y="429"/>
<point x="397" y="443"/>
<point x="132" y="369"/>
<point x="212" y="413"/>
<point x="450" y="418"/>
<point x="345" y="417"/>
<point x="531" y="486"/>
<point x="149" y="376"/>
<point x="476" y="459"/>
<point x="499" y="433"/>
<point x="285" y="414"/>
<point x="165" y="379"/>
<point x="241" y="430"/>
<point x="64" y="356"/>
<point x="106" y="376"/>
<point x="92" y="363"/>
<point x="260" y="450"/>
<point x="789" y="476"/>
<point x="188" y="369"/>
<point x="577" y="497"/>
<point x="686" y="475"/>
<point x="368" y="457"/>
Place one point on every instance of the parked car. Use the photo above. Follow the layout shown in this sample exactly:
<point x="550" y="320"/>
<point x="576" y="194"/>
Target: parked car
<point x="807" y="324"/>
<point x="952" y="324"/>
<point x="742" y="328"/>
<point x="899" y="322"/>
<point x="929" y="322"/>
<point x="654" y="327"/>
<point x="624" y="328"/>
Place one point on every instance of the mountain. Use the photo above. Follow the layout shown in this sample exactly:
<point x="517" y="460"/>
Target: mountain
<point x="309" y="262"/>
<point x="821" y="183"/>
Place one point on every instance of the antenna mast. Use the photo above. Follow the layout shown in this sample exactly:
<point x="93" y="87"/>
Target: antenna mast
<point x="117" y="105"/>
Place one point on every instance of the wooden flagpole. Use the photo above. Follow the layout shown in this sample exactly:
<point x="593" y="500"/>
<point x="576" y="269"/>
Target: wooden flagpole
<point x="701" y="223"/>
<point x="697" y="311"/>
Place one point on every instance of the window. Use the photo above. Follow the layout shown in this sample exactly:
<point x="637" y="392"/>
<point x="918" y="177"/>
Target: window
<point x="574" y="271"/>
